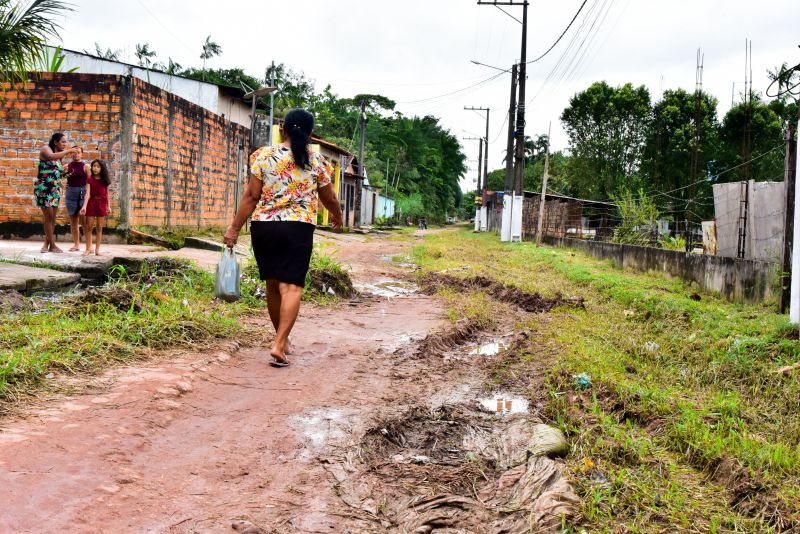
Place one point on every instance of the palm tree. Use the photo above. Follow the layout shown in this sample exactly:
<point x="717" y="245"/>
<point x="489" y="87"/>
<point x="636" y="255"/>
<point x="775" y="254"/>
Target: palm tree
<point x="143" y="54"/>
<point x="210" y="49"/>
<point x="24" y="30"/>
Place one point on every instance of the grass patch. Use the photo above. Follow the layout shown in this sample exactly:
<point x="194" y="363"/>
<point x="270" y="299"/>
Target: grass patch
<point x="168" y="303"/>
<point x="685" y="425"/>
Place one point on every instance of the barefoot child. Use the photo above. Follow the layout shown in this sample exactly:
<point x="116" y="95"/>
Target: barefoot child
<point x="77" y="173"/>
<point x="95" y="205"/>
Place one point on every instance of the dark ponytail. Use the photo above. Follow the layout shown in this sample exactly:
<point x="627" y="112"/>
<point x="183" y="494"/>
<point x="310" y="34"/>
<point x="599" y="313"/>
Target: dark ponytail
<point x="298" y="126"/>
<point x="55" y="138"/>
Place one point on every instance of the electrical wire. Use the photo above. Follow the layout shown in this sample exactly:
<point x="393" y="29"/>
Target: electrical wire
<point x="562" y="33"/>
<point x="451" y="93"/>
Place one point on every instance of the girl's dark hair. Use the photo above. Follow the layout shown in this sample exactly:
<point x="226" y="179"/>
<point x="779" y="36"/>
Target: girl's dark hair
<point x="55" y="138"/>
<point x="298" y="125"/>
<point x="103" y="171"/>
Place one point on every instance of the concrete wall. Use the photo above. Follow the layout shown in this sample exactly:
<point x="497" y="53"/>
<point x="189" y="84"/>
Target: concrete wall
<point x="733" y="279"/>
<point x="764" y="235"/>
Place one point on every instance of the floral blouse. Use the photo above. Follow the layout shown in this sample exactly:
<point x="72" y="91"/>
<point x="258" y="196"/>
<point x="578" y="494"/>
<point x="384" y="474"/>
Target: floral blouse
<point x="288" y="193"/>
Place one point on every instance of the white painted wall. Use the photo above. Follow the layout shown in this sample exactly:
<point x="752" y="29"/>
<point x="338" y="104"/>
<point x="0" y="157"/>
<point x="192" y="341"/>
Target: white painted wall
<point x="206" y="95"/>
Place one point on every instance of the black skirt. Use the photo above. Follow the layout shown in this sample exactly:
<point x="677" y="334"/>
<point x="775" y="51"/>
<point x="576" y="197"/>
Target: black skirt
<point x="282" y="250"/>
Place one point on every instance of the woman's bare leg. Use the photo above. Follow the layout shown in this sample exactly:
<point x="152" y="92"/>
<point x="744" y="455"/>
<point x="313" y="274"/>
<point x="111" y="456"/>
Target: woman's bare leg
<point x="289" y="309"/>
<point x="75" y="228"/>
<point x="50" y="231"/>
<point x="46" y="214"/>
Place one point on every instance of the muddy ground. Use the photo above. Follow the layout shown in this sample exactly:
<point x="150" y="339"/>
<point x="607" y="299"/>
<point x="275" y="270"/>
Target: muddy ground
<point x="383" y="423"/>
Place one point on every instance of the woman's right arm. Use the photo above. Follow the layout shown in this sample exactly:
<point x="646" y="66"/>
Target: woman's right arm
<point x="250" y="198"/>
<point x="46" y="153"/>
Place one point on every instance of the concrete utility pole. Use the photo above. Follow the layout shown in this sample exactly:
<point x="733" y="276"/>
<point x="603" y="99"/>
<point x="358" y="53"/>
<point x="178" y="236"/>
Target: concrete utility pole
<point x="512" y="110"/>
<point x="542" y="200"/>
<point x="519" y="164"/>
<point x="486" y="142"/>
<point x="478" y="189"/>
<point x="794" y="304"/>
<point x="363" y="128"/>
<point x="789" y="181"/>
<point x="272" y="103"/>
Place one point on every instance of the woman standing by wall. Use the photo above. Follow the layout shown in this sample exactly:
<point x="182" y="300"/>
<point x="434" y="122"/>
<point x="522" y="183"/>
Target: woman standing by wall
<point x="282" y="196"/>
<point x="47" y="187"/>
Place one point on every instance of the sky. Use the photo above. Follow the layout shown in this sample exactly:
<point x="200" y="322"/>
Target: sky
<point x="419" y="53"/>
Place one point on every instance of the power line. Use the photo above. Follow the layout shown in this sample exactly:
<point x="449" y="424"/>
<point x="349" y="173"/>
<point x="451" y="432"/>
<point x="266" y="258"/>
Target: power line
<point x="562" y="33"/>
<point x="437" y="97"/>
<point x="168" y="30"/>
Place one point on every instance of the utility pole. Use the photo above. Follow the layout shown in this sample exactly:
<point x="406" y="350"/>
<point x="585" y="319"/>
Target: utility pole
<point x="512" y="109"/>
<point x="794" y="302"/>
<point x="478" y="190"/>
<point x="543" y="199"/>
<point x="361" y="168"/>
<point x="486" y="141"/>
<point x="362" y="129"/>
<point x="695" y="159"/>
<point x="519" y="160"/>
<point x="789" y="181"/>
<point x="271" y="104"/>
<point x="519" y="164"/>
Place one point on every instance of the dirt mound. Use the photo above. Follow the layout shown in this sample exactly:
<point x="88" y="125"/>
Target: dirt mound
<point x="119" y="297"/>
<point x="12" y="301"/>
<point x="329" y="282"/>
<point x="456" y="467"/>
<point x="530" y="302"/>
<point x="152" y="270"/>
<point x="441" y="341"/>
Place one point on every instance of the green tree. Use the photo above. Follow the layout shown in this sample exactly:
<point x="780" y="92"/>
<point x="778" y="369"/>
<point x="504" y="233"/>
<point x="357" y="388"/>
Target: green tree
<point x="144" y="55"/>
<point x="763" y="159"/>
<point x="24" y="30"/>
<point x="112" y="55"/>
<point x="210" y="49"/>
<point x="607" y="129"/>
<point x="667" y="161"/>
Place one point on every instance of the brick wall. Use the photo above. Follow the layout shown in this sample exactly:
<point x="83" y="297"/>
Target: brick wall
<point x="186" y="162"/>
<point x="87" y="108"/>
<point x="172" y="163"/>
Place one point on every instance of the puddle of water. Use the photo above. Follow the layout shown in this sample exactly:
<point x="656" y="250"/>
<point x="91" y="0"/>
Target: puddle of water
<point x="504" y="403"/>
<point x="388" y="288"/>
<point x="489" y="349"/>
<point x="319" y="427"/>
<point x="400" y="261"/>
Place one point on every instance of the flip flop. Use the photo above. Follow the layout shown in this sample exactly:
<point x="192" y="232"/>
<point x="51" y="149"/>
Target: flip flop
<point x="276" y="363"/>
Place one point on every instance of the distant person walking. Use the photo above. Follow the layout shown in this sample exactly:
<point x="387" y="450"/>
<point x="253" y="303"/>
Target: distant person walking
<point x="282" y="197"/>
<point x="95" y="204"/>
<point x="47" y="187"/>
<point x="77" y="173"/>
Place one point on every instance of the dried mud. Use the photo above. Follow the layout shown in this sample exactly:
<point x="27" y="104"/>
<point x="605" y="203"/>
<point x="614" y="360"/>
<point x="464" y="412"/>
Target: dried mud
<point x="530" y="302"/>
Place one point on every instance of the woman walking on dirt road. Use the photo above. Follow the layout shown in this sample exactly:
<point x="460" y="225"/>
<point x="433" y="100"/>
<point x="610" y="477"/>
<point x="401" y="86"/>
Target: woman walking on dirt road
<point x="286" y="184"/>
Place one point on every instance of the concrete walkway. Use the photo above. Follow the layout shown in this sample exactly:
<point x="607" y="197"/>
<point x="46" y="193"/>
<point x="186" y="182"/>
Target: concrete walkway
<point x="25" y="278"/>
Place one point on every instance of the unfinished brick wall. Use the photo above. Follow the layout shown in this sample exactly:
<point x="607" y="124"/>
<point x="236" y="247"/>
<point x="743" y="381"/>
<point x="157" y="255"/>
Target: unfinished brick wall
<point x="186" y="162"/>
<point x="87" y="108"/>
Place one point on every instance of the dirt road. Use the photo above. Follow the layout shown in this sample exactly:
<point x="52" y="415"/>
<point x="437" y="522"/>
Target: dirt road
<point x="198" y="440"/>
